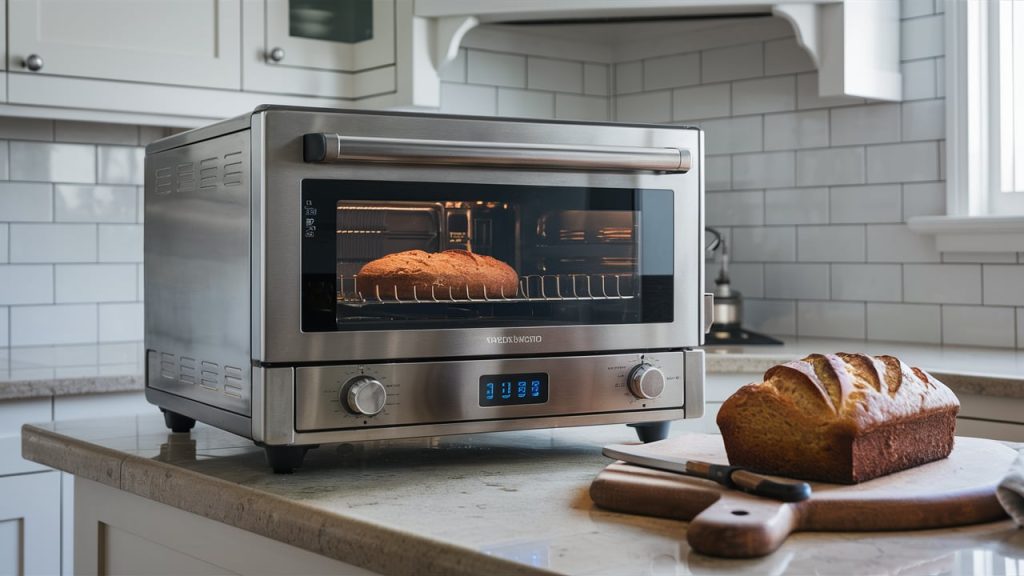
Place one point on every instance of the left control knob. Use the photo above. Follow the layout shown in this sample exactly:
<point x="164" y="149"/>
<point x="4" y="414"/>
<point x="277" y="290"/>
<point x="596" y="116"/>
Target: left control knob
<point x="364" y="395"/>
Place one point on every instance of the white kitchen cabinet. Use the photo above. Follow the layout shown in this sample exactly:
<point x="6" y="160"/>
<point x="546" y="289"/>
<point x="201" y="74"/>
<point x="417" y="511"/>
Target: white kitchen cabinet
<point x="320" y="49"/>
<point x="30" y="524"/>
<point x="179" y="42"/>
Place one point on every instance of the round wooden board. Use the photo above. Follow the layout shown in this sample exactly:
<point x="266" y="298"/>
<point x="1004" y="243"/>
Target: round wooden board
<point x="954" y="491"/>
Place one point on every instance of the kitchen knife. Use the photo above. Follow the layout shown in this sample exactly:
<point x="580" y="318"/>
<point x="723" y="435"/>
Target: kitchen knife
<point x="728" y="476"/>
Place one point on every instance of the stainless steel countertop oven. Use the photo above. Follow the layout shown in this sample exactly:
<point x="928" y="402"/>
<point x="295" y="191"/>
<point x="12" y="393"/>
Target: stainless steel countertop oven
<point x="257" y="227"/>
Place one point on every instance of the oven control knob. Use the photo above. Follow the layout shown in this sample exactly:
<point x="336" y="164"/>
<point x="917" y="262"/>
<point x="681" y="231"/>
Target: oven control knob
<point x="646" y="381"/>
<point x="364" y="395"/>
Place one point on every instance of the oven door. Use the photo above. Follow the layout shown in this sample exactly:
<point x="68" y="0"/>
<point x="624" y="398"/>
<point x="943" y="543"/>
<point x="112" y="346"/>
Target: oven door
<point x="607" y="251"/>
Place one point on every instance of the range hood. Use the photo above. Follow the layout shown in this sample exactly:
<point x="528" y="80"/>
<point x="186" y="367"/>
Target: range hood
<point x="854" y="44"/>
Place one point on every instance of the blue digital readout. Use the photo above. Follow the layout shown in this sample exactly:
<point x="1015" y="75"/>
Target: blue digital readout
<point x="511" y="389"/>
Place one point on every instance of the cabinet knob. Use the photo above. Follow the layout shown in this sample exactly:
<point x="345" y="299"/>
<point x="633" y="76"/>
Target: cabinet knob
<point x="276" y="54"/>
<point x="34" y="62"/>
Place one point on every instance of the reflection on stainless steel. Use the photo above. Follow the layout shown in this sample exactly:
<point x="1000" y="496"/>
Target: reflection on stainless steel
<point x="534" y="288"/>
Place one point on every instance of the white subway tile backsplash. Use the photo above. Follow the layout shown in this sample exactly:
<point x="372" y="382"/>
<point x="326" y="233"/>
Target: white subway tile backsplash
<point x="710" y="101"/>
<point x="940" y="77"/>
<point x="824" y="319"/>
<point x="596" y="79"/>
<point x="672" y="71"/>
<point x="573" y="107"/>
<point x="554" y="75"/>
<point x="796" y="130"/>
<point x="46" y="162"/>
<point x="767" y="170"/>
<point x="979" y="258"/>
<point x="5" y="167"/>
<point x="26" y="284"/>
<point x="629" y="77"/>
<point x="913" y="162"/>
<point x="863" y="204"/>
<point x="942" y="283"/>
<point x="495" y="69"/>
<point x="76" y="203"/>
<point x="5" y="326"/>
<point x="905" y="322"/>
<point x="26" y="202"/>
<point x="830" y="243"/>
<point x="801" y="281"/>
<point x="732" y="63"/>
<point x="1020" y="327"/>
<point x="921" y="37"/>
<point x="978" y="326"/>
<point x="748" y="279"/>
<point x="120" y="322"/>
<point x="924" y="120"/>
<point x="796" y="206"/>
<point x="469" y="99"/>
<point x="764" y="244"/>
<point x="735" y="208"/>
<point x="120" y="165"/>
<point x="731" y="135"/>
<point x="525" y="103"/>
<point x="49" y="243"/>
<point x="942" y="160"/>
<point x="120" y="243"/>
<point x="4" y="242"/>
<point x="785" y="56"/>
<point x="60" y="324"/>
<point x="830" y="166"/>
<point x="1004" y="285"/>
<point x="770" y="316"/>
<point x="773" y="94"/>
<point x="140" y="204"/>
<point x="919" y="79"/>
<point x="96" y="133"/>
<point x="924" y="199"/>
<point x="868" y="282"/>
<point x="644" y="107"/>
<point x="718" y="173"/>
<point x="915" y="8"/>
<point x="454" y="71"/>
<point x="79" y="283"/>
<point x="869" y="124"/>
<point x="12" y="128"/>
<point x="807" y="94"/>
<point x="896" y="243"/>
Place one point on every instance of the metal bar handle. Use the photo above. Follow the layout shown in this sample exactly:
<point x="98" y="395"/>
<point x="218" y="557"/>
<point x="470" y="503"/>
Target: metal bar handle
<point x="333" y="148"/>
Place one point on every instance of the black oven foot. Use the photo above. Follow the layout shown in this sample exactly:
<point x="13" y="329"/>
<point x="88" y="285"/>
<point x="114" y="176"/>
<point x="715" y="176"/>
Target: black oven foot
<point x="652" y="431"/>
<point x="177" y="422"/>
<point x="285" y="459"/>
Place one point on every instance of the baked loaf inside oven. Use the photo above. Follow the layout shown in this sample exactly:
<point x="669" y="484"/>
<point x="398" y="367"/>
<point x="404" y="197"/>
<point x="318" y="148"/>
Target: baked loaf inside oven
<point x="842" y="418"/>
<point x="450" y="274"/>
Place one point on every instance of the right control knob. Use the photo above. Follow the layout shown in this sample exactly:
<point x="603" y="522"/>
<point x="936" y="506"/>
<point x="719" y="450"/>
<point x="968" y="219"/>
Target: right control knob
<point x="646" y="381"/>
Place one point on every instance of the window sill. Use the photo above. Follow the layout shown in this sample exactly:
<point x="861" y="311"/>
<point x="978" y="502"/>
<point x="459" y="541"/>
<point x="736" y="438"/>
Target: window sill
<point x="972" y="233"/>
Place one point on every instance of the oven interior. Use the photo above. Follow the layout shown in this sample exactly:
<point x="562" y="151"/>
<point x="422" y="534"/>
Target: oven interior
<point x="584" y="255"/>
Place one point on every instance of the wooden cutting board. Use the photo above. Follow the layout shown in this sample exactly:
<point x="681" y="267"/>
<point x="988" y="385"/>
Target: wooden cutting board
<point x="952" y="492"/>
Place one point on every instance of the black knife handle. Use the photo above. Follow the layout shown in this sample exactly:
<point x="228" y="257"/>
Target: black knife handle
<point x="753" y="483"/>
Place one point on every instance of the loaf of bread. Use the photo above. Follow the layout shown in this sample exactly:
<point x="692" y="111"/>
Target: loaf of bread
<point x="842" y="418"/>
<point x="445" y="275"/>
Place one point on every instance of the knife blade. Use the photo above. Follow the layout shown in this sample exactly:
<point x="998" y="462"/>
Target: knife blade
<point x="729" y="476"/>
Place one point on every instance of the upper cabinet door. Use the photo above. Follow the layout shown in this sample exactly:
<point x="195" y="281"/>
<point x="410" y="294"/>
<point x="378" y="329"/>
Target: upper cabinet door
<point x="181" y="42"/>
<point x="337" y="35"/>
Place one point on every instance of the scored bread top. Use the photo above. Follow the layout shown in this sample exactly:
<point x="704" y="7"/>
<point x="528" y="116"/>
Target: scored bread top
<point x="452" y="273"/>
<point x="858" y="389"/>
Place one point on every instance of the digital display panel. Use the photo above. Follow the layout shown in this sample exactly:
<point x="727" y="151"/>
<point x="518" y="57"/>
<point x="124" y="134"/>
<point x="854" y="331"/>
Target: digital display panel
<point x="513" y="389"/>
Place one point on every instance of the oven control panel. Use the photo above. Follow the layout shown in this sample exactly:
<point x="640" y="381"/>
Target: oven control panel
<point x="358" y="396"/>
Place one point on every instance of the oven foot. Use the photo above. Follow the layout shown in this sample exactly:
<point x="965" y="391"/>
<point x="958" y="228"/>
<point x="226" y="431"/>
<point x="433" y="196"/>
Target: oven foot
<point x="177" y="422"/>
<point x="651" y="431"/>
<point x="285" y="459"/>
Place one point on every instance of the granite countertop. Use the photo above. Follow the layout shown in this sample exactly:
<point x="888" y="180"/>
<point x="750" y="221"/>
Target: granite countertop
<point x="39" y="371"/>
<point x="503" y="503"/>
<point x="29" y="372"/>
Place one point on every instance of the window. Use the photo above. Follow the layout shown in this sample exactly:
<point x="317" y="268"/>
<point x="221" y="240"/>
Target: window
<point x="1008" y="63"/>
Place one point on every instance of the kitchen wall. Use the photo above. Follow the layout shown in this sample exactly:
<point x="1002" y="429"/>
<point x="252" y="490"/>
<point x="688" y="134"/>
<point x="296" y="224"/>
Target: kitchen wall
<point x="70" y="231"/>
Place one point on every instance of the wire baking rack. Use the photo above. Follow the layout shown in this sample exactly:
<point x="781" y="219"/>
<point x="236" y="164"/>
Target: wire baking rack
<point x="534" y="288"/>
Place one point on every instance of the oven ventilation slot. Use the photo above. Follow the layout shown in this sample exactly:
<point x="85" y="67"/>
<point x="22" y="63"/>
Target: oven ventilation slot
<point x="534" y="288"/>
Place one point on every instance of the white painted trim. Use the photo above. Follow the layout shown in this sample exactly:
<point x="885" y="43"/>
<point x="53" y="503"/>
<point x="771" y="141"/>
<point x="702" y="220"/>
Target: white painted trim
<point x="972" y="233"/>
<point x="804" y="18"/>
<point x="958" y="170"/>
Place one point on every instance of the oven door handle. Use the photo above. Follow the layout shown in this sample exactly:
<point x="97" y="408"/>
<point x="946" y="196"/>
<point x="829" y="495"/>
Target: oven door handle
<point x="335" y="148"/>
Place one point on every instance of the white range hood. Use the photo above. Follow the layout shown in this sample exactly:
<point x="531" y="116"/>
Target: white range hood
<point x="855" y="44"/>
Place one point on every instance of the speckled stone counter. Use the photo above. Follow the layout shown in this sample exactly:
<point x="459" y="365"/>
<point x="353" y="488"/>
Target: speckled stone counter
<point x="503" y="503"/>
<point x="40" y="371"/>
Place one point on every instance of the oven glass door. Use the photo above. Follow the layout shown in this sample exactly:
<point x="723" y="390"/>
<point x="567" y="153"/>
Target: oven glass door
<point x="583" y="256"/>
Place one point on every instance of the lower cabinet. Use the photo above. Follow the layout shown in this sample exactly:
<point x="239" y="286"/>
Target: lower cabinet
<point x="30" y="524"/>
